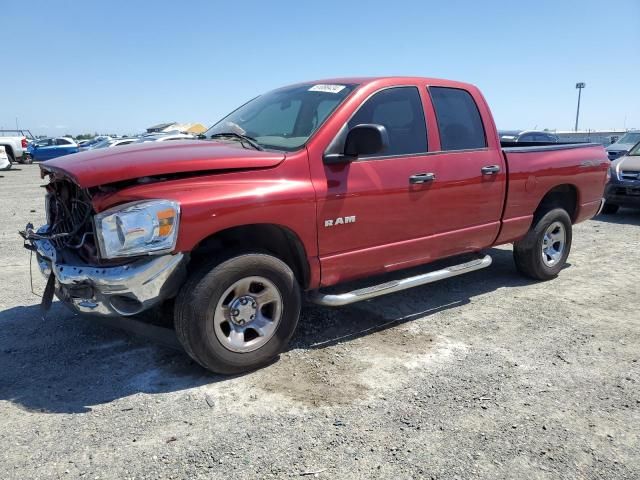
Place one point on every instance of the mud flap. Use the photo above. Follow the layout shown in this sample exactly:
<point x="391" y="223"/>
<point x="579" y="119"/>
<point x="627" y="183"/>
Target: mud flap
<point x="47" y="296"/>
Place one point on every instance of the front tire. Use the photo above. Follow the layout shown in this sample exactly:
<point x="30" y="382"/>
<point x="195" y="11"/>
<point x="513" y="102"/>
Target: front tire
<point x="11" y="159"/>
<point x="610" y="208"/>
<point x="543" y="252"/>
<point x="237" y="314"/>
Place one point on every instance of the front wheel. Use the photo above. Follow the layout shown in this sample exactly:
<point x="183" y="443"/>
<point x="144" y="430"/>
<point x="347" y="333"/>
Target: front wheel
<point x="238" y="314"/>
<point x="543" y="252"/>
<point x="610" y="208"/>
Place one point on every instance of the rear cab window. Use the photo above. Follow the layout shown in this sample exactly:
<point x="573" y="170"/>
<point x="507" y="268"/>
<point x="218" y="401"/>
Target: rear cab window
<point x="459" y="121"/>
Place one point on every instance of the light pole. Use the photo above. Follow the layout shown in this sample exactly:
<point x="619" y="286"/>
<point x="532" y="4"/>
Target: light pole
<point x="579" y="86"/>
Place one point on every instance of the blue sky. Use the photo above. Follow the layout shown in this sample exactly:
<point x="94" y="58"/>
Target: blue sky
<point x="120" y="66"/>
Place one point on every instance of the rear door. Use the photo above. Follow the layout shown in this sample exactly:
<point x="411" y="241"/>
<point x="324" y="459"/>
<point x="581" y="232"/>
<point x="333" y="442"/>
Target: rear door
<point x="466" y="197"/>
<point x="64" y="147"/>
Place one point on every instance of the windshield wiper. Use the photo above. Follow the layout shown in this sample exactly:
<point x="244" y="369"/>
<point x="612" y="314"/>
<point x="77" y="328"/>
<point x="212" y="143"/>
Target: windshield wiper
<point x="241" y="138"/>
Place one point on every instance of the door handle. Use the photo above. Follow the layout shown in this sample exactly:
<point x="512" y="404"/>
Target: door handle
<point x="490" y="169"/>
<point x="422" y="178"/>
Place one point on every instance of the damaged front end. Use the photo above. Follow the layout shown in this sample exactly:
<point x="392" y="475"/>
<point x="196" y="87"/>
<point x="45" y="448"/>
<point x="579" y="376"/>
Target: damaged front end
<point x="68" y="252"/>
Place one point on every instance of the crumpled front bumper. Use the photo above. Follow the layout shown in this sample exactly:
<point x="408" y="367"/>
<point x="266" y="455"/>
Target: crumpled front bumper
<point x="119" y="290"/>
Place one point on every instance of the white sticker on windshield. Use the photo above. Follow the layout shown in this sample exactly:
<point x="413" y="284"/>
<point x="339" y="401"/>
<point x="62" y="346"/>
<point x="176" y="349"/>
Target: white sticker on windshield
<point x="327" y="88"/>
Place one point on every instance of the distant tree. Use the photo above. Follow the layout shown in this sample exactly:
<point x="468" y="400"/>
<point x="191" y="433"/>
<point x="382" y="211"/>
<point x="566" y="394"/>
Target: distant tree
<point x="85" y="136"/>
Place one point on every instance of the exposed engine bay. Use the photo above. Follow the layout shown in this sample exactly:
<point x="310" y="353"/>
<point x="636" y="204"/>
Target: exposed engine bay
<point x="69" y="218"/>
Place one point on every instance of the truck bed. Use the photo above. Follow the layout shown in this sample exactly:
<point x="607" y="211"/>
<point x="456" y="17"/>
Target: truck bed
<point x="534" y="170"/>
<point x="542" y="146"/>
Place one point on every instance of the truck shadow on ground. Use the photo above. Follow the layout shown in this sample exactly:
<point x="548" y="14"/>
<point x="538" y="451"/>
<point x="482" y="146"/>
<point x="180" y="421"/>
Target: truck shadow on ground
<point x="67" y="364"/>
<point x="322" y="327"/>
<point x="625" y="216"/>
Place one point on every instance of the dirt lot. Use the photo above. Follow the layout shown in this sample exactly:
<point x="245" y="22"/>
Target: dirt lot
<point x="483" y="376"/>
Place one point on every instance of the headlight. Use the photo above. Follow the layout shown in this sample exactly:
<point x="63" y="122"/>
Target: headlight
<point x="138" y="228"/>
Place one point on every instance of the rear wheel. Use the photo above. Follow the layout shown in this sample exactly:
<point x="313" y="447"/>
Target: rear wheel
<point x="238" y="314"/>
<point x="610" y="208"/>
<point x="543" y="252"/>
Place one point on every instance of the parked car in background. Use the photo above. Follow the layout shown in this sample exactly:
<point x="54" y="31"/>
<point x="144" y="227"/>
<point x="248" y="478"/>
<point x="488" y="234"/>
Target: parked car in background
<point x="622" y="146"/>
<point x="16" y="143"/>
<point x="528" y="136"/>
<point x="165" y="137"/>
<point x="623" y="189"/>
<point x="48" y="148"/>
<point x="90" y="144"/>
<point x="5" y="163"/>
<point x="300" y="189"/>
<point x="113" y="142"/>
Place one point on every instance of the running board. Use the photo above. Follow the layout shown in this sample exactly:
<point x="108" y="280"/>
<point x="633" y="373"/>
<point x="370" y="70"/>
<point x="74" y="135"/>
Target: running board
<point x="330" y="300"/>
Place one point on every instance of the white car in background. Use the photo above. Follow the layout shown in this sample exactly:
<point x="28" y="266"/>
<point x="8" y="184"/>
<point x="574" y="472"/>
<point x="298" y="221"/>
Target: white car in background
<point x="5" y="163"/>
<point x="165" y="137"/>
<point x="113" y="142"/>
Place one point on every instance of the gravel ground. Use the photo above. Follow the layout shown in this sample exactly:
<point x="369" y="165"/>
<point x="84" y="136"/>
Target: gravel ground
<point x="488" y="375"/>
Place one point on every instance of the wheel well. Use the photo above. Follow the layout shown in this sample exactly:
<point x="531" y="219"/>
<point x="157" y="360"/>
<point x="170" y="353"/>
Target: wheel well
<point x="9" y="150"/>
<point x="562" y="196"/>
<point x="275" y="239"/>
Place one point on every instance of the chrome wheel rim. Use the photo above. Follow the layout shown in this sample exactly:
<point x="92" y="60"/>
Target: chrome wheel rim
<point x="248" y="314"/>
<point x="553" y="244"/>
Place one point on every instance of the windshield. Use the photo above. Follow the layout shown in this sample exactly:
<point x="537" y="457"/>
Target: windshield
<point x="635" y="151"/>
<point x="102" y="144"/>
<point x="284" y="119"/>
<point x="630" y="137"/>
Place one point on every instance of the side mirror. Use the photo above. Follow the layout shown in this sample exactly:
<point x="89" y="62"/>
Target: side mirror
<point x="363" y="139"/>
<point x="366" y="139"/>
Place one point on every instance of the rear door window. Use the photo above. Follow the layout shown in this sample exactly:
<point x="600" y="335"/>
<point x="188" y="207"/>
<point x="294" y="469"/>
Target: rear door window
<point x="459" y="120"/>
<point x="399" y="110"/>
<point x="527" y="137"/>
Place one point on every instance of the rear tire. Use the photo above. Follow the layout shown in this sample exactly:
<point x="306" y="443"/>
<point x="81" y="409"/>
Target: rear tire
<point x="237" y="314"/>
<point x="610" y="208"/>
<point x="543" y="252"/>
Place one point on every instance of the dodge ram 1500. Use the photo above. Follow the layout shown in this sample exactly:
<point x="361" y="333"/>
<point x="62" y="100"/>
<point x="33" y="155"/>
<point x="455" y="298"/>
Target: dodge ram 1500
<point x="298" y="193"/>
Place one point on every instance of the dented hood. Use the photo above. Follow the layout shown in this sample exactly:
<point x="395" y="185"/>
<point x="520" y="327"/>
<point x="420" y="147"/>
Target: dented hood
<point x="110" y="165"/>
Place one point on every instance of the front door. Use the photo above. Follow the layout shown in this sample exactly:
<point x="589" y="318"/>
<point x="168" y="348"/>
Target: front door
<point x="370" y="211"/>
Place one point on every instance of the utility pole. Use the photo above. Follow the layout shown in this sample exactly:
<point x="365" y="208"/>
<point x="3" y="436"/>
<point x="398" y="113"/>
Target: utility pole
<point x="579" y="86"/>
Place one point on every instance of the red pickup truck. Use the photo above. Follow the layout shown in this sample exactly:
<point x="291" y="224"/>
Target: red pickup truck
<point x="301" y="189"/>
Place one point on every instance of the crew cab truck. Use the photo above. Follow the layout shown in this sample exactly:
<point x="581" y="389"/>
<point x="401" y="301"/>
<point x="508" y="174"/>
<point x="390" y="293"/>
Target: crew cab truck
<point x="304" y="188"/>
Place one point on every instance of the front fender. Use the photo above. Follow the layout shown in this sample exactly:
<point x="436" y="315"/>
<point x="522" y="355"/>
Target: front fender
<point x="212" y="203"/>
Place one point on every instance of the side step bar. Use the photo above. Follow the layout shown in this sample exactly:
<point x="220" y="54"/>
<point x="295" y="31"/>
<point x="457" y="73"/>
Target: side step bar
<point x="330" y="300"/>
